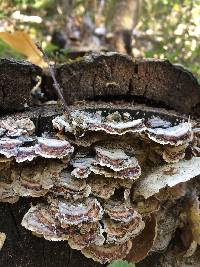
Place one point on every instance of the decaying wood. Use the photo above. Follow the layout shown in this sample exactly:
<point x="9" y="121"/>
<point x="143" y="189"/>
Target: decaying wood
<point x="21" y="248"/>
<point x="113" y="76"/>
<point x="17" y="78"/>
<point x="109" y="78"/>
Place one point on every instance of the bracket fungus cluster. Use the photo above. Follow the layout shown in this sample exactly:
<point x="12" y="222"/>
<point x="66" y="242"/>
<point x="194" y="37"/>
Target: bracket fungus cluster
<point x="105" y="179"/>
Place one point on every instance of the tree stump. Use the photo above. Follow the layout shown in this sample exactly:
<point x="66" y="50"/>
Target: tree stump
<point x="17" y="78"/>
<point x="108" y="82"/>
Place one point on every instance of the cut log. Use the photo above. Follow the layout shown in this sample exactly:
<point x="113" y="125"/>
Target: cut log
<point x="113" y="76"/>
<point x="17" y="78"/>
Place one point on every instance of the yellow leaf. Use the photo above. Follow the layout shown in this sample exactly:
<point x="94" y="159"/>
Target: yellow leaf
<point x="21" y="42"/>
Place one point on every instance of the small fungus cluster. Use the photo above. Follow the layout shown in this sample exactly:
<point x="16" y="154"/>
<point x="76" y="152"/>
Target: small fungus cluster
<point x="107" y="179"/>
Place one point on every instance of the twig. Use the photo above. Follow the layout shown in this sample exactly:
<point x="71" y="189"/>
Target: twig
<point x="55" y="83"/>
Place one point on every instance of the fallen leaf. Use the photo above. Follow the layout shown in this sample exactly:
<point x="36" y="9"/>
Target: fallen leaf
<point x="21" y="42"/>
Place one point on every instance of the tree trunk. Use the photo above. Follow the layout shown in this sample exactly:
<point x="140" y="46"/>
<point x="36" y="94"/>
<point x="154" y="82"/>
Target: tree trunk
<point x="122" y="18"/>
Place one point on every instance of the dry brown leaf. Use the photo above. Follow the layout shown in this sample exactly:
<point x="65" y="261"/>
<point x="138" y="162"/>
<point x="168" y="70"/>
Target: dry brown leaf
<point x="21" y="42"/>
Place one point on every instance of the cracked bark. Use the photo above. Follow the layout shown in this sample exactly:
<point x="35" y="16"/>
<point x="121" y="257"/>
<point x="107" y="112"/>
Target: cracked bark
<point x="156" y="81"/>
<point x="16" y="82"/>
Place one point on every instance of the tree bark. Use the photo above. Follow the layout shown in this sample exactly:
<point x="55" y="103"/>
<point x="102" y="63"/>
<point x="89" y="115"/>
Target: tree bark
<point x="112" y="76"/>
<point x="17" y="79"/>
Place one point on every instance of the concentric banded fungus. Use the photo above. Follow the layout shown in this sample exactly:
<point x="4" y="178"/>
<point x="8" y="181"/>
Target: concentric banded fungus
<point x="69" y="187"/>
<point x="36" y="179"/>
<point x="173" y="154"/>
<point x="16" y="128"/>
<point x="107" y="253"/>
<point x="120" y="211"/>
<point x="87" y="121"/>
<point x="175" y="135"/>
<point x="7" y="194"/>
<point x="120" y="232"/>
<point x="86" y="235"/>
<point x="115" y="163"/>
<point x="108" y="149"/>
<point x="114" y="159"/>
<point x="53" y="148"/>
<point x="81" y="167"/>
<point x="75" y="213"/>
<point x="97" y="122"/>
<point x="39" y="220"/>
<point x="167" y="175"/>
<point x="119" y="128"/>
<point x="25" y="154"/>
<point x="157" y="122"/>
<point x="132" y="172"/>
<point x="102" y="187"/>
<point x="8" y="147"/>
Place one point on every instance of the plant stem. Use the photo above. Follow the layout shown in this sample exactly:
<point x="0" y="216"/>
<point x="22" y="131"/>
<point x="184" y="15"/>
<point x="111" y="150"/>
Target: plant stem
<point x="55" y="83"/>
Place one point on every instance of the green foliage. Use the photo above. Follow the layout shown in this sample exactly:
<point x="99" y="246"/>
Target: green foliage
<point x="121" y="263"/>
<point x="35" y="4"/>
<point x="173" y="27"/>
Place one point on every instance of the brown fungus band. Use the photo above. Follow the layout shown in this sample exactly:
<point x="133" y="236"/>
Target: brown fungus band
<point x="75" y="213"/>
<point x="120" y="232"/>
<point x="107" y="253"/>
<point x="40" y="221"/>
<point x="86" y="235"/>
<point x="68" y="186"/>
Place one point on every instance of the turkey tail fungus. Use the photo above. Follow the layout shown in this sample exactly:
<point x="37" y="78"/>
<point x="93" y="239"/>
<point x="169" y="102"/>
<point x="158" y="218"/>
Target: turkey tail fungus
<point x="114" y="177"/>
